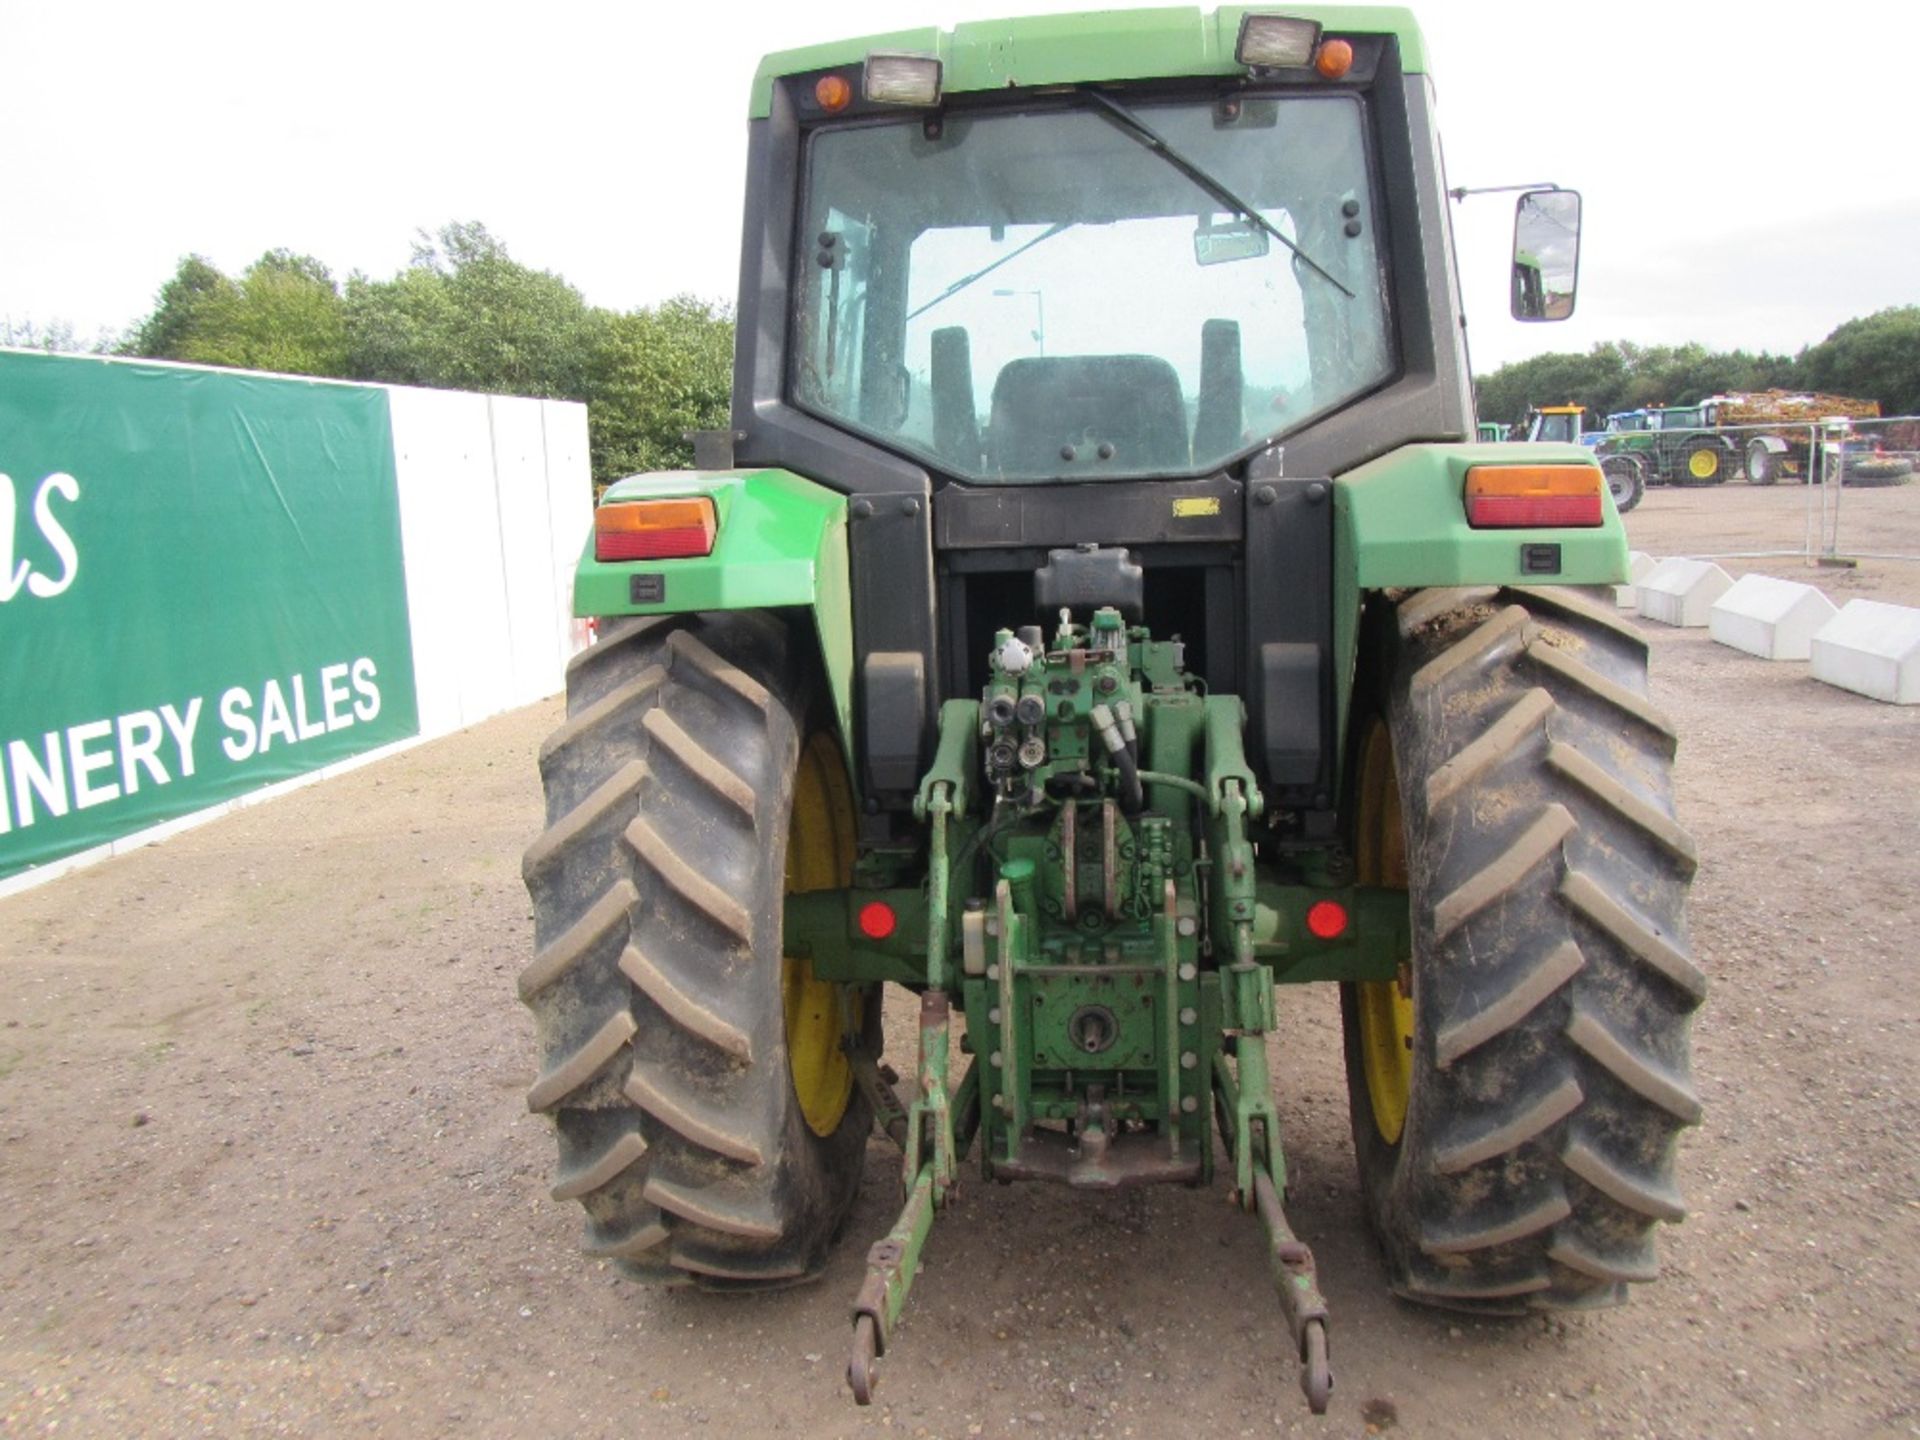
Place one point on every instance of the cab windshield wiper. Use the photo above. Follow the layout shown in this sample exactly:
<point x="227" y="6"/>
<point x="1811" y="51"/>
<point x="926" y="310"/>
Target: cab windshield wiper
<point x="985" y="270"/>
<point x="1138" y="129"/>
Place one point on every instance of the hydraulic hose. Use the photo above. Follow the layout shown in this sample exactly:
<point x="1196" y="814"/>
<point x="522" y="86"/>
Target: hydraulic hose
<point x="1133" y="799"/>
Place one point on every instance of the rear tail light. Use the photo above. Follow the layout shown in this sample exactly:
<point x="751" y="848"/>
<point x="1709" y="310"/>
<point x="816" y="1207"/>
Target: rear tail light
<point x="1511" y="497"/>
<point x="653" y="529"/>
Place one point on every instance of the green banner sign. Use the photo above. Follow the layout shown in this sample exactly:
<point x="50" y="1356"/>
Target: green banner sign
<point x="201" y="592"/>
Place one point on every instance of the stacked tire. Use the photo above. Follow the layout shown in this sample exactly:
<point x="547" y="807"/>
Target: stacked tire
<point x="1878" y="471"/>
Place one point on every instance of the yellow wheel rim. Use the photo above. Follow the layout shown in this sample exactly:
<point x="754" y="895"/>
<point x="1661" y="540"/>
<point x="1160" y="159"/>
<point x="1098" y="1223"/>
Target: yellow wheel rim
<point x="1703" y="464"/>
<point x="819" y="1013"/>
<point x="1386" y="1006"/>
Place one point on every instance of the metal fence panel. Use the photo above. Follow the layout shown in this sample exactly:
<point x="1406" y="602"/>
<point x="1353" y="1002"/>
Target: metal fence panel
<point x="1828" y="456"/>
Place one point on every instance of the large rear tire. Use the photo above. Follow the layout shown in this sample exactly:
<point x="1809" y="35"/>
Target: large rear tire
<point x="698" y="1081"/>
<point x="1516" y="1098"/>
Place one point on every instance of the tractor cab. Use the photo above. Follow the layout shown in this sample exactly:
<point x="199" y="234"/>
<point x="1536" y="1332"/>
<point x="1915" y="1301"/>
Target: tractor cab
<point x="1556" y="423"/>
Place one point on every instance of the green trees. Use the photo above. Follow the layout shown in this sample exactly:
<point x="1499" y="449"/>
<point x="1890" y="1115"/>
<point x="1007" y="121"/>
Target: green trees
<point x="653" y="376"/>
<point x="1876" y="357"/>
<point x="56" y="337"/>
<point x="168" y="332"/>
<point x="1619" y="375"/>
<point x="463" y="315"/>
<point x="284" y="314"/>
<point x="1551" y="380"/>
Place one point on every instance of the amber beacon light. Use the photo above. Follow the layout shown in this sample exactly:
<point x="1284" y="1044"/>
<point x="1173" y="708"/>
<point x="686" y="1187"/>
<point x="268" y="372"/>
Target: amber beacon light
<point x="832" y="93"/>
<point x="1333" y="59"/>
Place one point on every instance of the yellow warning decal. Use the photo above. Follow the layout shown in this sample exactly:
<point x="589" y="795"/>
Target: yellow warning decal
<point x="1196" y="505"/>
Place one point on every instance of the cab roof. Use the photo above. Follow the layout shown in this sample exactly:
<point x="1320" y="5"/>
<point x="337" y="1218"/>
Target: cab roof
<point x="1090" y="46"/>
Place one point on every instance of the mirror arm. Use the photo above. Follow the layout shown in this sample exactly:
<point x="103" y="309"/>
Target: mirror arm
<point x="1461" y="192"/>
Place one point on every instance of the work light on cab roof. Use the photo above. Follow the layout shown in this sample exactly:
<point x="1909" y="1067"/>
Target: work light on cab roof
<point x="1276" y="42"/>
<point x="1286" y="42"/>
<point x="894" y="78"/>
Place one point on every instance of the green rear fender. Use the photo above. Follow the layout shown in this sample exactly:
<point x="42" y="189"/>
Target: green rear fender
<point x="780" y="543"/>
<point x="1400" y="522"/>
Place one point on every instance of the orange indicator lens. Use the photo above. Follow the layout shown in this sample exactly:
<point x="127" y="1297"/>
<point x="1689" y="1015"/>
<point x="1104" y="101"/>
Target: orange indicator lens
<point x="833" y="92"/>
<point x="1334" y="59"/>
<point x="1509" y="497"/>
<point x="653" y="529"/>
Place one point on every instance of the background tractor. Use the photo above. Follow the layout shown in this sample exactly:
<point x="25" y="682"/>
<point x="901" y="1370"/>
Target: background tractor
<point x="1093" y="622"/>
<point x="1626" y="476"/>
<point x="1666" y="445"/>
<point x="1557" y="422"/>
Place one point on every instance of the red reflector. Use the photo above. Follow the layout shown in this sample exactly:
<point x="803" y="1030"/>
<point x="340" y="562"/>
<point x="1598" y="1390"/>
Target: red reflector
<point x="1327" y="919"/>
<point x="1515" y="512"/>
<point x="877" y="920"/>
<point x="677" y="542"/>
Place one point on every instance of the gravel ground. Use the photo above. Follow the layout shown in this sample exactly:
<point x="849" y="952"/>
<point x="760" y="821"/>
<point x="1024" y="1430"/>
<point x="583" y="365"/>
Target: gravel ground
<point x="265" y="1165"/>
<point x="1740" y="519"/>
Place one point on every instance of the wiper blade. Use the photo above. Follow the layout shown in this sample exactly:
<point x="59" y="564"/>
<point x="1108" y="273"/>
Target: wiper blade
<point x="985" y="270"/>
<point x="1205" y="179"/>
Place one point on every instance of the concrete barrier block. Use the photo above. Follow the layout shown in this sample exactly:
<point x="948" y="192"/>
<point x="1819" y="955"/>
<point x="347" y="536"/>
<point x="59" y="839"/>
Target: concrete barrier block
<point x="1639" y="566"/>
<point x="1872" y="649"/>
<point x="1774" y="619"/>
<point x="1682" y="592"/>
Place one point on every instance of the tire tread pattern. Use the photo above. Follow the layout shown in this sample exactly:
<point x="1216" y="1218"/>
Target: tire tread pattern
<point x="657" y="890"/>
<point x="1553" y="988"/>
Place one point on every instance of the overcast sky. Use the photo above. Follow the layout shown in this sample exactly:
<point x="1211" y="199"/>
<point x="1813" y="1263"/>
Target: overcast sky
<point x="1749" y="170"/>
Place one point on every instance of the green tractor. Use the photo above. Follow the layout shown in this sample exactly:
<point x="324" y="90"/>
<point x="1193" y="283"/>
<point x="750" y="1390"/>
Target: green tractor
<point x="1094" y="621"/>
<point x="1626" y="478"/>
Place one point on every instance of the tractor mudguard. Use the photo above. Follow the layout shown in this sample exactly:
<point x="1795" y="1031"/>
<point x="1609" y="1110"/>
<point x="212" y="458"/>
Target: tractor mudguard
<point x="1400" y="523"/>
<point x="780" y="543"/>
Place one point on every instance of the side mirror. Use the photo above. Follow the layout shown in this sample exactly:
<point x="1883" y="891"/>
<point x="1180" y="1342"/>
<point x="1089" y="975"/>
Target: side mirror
<point x="1546" y="254"/>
